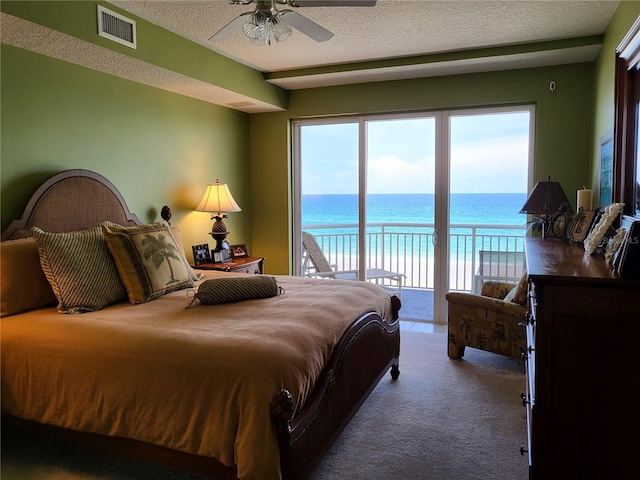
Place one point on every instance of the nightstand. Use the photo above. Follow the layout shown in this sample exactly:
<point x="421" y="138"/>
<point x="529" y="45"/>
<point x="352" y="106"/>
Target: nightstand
<point x="253" y="265"/>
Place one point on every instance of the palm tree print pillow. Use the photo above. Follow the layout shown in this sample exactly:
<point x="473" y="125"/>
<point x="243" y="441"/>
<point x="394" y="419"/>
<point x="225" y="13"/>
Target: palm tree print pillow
<point x="149" y="260"/>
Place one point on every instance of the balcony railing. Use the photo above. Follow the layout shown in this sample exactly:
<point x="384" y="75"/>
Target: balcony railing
<point x="407" y="248"/>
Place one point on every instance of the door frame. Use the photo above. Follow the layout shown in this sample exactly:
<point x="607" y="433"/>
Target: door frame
<point x="441" y="184"/>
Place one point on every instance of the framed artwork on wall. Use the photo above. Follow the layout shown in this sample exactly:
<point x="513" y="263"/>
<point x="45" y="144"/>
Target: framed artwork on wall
<point x="606" y="169"/>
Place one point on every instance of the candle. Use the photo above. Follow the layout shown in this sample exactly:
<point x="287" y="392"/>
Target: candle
<point x="584" y="199"/>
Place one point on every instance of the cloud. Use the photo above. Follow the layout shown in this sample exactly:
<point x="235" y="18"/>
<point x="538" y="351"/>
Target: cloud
<point x="391" y="174"/>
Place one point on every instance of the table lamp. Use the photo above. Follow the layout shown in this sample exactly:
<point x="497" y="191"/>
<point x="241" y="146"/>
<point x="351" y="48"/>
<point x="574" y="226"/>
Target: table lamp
<point x="545" y="199"/>
<point x="217" y="200"/>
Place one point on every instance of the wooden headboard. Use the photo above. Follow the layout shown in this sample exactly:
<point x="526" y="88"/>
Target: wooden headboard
<point x="72" y="200"/>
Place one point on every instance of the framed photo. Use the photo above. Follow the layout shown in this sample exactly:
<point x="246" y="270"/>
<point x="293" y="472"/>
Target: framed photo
<point x="201" y="254"/>
<point x="581" y="225"/>
<point x="558" y="225"/>
<point x="606" y="169"/>
<point x="626" y="260"/>
<point x="239" y="251"/>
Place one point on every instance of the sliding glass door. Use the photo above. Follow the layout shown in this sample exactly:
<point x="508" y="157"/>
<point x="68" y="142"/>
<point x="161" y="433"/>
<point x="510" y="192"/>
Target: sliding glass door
<point x="400" y="206"/>
<point x="327" y="197"/>
<point x="410" y="197"/>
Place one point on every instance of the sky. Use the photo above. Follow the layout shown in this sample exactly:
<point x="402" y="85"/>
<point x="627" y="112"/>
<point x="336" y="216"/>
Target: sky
<point x="489" y="154"/>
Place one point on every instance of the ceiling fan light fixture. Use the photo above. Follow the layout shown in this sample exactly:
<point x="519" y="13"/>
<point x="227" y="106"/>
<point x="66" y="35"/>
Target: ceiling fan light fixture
<point x="265" y="30"/>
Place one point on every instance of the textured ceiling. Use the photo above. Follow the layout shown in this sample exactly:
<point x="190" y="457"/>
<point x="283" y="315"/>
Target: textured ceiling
<point x="399" y="38"/>
<point x="391" y="29"/>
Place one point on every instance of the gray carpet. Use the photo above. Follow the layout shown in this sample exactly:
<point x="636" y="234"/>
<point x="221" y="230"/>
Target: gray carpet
<point x="443" y="419"/>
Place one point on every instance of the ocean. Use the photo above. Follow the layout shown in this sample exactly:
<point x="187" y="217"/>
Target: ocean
<point x="465" y="208"/>
<point x="409" y="248"/>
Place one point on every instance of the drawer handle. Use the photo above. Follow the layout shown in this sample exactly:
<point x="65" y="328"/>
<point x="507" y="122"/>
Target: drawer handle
<point x="523" y="450"/>
<point x="523" y="399"/>
<point x="524" y="356"/>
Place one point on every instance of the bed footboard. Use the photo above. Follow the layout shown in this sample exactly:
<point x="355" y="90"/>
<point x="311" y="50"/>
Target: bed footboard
<point x="364" y="354"/>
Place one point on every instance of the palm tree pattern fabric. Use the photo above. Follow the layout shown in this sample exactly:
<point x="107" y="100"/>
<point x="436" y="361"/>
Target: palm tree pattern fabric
<point x="149" y="260"/>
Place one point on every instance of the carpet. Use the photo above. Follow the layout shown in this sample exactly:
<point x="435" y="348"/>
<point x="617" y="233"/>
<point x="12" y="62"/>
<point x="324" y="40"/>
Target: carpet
<point x="442" y="419"/>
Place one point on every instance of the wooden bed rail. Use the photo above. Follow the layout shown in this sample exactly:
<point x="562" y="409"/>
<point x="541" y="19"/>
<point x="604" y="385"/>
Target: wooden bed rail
<point x="304" y="437"/>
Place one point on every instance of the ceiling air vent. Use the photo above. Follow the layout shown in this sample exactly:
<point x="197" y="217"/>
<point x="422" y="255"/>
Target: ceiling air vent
<point x="115" y="27"/>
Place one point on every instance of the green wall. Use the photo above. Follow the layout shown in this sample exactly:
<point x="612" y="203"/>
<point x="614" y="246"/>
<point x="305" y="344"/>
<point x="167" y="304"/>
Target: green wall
<point x="562" y="141"/>
<point x="604" y="114"/>
<point x="157" y="147"/>
<point x="155" y="45"/>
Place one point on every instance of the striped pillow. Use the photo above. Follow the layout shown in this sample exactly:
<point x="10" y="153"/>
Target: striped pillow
<point x="149" y="260"/>
<point x="237" y="289"/>
<point x="80" y="269"/>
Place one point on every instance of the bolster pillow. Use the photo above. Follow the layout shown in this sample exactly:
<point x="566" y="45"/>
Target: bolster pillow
<point x="236" y="289"/>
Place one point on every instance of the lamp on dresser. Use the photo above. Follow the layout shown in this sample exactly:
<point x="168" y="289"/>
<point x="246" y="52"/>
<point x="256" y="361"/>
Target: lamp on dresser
<point x="218" y="200"/>
<point x="545" y="199"/>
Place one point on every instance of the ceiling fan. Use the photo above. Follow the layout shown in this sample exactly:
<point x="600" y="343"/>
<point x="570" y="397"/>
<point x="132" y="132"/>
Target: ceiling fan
<point x="267" y="24"/>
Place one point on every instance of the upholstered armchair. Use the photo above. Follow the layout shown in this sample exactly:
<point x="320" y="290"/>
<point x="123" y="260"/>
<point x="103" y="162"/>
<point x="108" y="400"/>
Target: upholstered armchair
<point x="492" y="321"/>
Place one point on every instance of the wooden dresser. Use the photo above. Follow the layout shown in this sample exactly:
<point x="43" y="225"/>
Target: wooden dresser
<point x="583" y="366"/>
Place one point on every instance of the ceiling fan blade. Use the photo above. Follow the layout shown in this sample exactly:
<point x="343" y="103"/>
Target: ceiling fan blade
<point x="333" y="3"/>
<point x="306" y="26"/>
<point x="230" y="28"/>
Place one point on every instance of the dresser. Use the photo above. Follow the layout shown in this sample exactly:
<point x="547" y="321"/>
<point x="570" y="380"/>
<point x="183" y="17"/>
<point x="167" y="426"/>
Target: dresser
<point x="582" y="366"/>
<point x="252" y="265"/>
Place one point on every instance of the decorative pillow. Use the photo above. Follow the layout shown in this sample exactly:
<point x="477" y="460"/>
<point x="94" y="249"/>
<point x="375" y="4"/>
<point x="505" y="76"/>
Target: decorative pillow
<point x="236" y="289"/>
<point x="519" y="293"/>
<point x="23" y="285"/>
<point x="149" y="260"/>
<point x="495" y="289"/>
<point x="79" y="269"/>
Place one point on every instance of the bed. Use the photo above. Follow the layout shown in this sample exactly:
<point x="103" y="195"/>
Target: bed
<point x="245" y="390"/>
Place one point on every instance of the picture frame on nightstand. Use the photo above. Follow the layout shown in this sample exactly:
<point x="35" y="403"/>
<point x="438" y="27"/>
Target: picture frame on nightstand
<point x="201" y="254"/>
<point x="239" y="251"/>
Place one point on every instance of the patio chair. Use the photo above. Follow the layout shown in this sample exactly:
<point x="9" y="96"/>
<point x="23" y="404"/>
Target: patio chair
<point x="315" y="264"/>
<point x="498" y="266"/>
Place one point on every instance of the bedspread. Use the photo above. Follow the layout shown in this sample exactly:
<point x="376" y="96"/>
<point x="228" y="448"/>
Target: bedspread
<point x="197" y="380"/>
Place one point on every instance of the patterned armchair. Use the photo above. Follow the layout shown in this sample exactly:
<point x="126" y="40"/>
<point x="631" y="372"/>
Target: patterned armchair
<point x="488" y="321"/>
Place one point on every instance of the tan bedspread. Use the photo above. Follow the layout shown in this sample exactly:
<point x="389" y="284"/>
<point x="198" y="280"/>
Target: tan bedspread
<point x="197" y="380"/>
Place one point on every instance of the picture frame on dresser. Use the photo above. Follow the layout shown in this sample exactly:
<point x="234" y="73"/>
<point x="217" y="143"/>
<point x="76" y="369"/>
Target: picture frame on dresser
<point x="581" y="225"/>
<point x="626" y="261"/>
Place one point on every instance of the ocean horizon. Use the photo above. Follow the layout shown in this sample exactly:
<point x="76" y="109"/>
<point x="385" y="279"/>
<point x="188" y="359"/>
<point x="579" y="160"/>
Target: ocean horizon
<point x="417" y="208"/>
<point x="409" y="248"/>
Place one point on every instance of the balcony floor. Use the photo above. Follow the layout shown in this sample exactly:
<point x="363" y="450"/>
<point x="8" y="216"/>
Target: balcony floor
<point x="417" y="304"/>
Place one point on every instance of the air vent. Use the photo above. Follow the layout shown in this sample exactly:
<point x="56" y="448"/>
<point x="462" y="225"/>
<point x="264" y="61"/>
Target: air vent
<point x="115" y="27"/>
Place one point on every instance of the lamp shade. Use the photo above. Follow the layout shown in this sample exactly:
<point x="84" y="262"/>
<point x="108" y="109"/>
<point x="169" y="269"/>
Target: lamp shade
<point x="217" y="199"/>
<point x="546" y="198"/>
